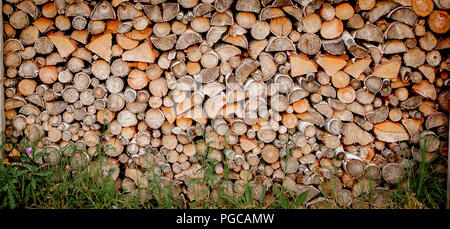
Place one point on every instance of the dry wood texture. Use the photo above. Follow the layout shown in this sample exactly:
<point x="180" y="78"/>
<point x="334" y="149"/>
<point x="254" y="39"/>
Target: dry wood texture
<point x="315" y="95"/>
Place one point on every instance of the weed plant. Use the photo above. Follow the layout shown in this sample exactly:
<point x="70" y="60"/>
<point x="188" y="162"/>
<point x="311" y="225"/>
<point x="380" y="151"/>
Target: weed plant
<point x="29" y="182"/>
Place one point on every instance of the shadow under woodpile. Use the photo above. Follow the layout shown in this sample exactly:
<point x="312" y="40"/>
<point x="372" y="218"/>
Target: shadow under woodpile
<point x="225" y="104"/>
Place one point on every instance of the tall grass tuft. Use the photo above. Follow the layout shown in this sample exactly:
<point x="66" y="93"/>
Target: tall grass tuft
<point x="28" y="183"/>
<point x="422" y="186"/>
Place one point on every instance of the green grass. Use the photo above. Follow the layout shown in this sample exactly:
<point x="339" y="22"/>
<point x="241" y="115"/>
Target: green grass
<point x="28" y="184"/>
<point x="31" y="185"/>
<point x="422" y="186"/>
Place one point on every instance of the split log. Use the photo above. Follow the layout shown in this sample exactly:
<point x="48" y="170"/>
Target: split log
<point x="64" y="44"/>
<point x="301" y="65"/>
<point x="353" y="133"/>
<point x="142" y="53"/>
<point x="422" y="7"/>
<point x="390" y="132"/>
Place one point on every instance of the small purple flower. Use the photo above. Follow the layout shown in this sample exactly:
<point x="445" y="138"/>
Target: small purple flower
<point x="105" y="173"/>
<point x="67" y="166"/>
<point x="29" y="150"/>
<point x="107" y="138"/>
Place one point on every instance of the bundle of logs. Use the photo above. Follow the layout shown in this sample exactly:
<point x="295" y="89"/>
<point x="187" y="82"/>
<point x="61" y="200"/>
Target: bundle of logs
<point x="337" y="98"/>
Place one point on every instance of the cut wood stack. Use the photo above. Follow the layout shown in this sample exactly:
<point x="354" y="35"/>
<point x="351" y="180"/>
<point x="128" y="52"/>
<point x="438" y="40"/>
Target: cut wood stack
<point x="329" y="97"/>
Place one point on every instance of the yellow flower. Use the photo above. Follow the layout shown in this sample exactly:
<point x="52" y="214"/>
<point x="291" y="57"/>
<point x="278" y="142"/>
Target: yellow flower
<point x="14" y="153"/>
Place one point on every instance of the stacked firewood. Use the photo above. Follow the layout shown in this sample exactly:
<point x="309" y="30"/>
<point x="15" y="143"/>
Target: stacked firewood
<point x="327" y="96"/>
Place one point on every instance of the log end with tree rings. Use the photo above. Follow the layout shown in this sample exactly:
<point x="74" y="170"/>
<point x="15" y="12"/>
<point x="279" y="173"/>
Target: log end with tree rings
<point x="270" y="153"/>
<point x="308" y="129"/>
<point x="266" y="134"/>
<point x="372" y="172"/>
<point x="309" y="43"/>
<point x="154" y="118"/>
<point x="334" y="126"/>
<point x="353" y="165"/>
<point x="392" y="173"/>
<point x="284" y="83"/>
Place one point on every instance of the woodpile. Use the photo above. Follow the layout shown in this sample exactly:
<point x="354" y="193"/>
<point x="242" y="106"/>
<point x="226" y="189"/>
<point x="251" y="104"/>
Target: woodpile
<point x="327" y="96"/>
